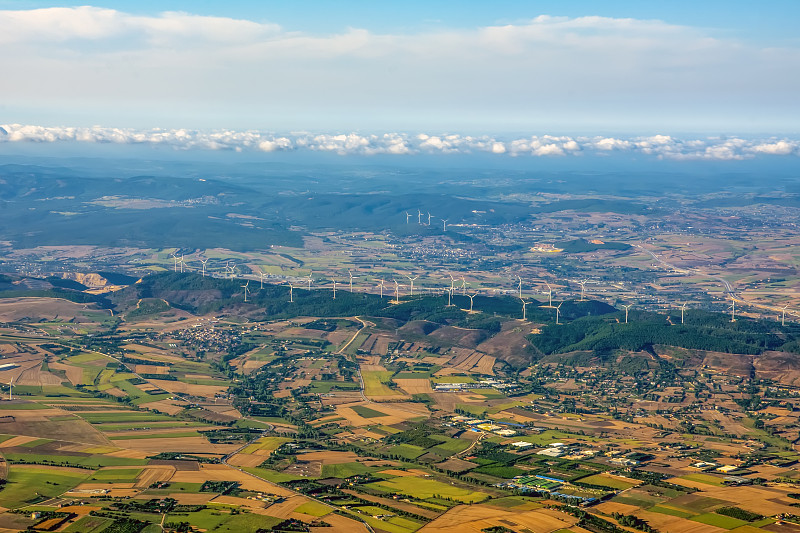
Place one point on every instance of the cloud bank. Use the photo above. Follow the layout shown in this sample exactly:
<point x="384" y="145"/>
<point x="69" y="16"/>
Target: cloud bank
<point x="658" y="146"/>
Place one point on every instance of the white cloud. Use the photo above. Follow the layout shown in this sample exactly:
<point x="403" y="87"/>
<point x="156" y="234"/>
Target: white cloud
<point x="396" y="143"/>
<point x="555" y="70"/>
<point x="778" y="148"/>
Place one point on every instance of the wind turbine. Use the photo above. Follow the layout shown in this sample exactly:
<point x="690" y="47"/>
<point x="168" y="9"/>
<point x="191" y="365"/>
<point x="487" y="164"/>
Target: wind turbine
<point x="520" y="287"/>
<point x="419" y="217"/>
<point x="471" y="300"/>
<point x="309" y="279"/>
<point x="429" y="218"/>
<point x="683" y="308"/>
<point x="408" y="216"/>
<point x="626" y="311"/>
<point x="175" y="267"/>
<point x="583" y="290"/>
<point x="396" y="292"/>
<point x="351" y="280"/>
<point x="245" y="289"/>
<point x="10" y="388"/>
<point x="524" y="307"/>
<point x="262" y="279"/>
<point x="334" y="289"/>
<point x="463" y="286"/>
<point x="783" y="317"/>
<point x="549" y="295"/>
<point x="558" y="310"/>
<point x="449" y="298"/>
<point x="733" y="309"/>
<point x="381" y="289"/>
<point x="444" y="224"/>
<point x="412" y="284"/>
<point x="452" y="282"/>
<point x="204" y="266"/>
<point x="291" y="293"/>
<point x="181" y="262"/>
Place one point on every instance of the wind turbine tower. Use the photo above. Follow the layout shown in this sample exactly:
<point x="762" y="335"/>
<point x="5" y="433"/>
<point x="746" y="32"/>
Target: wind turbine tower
<point x="396" y="292"/>
<point x="525" y="306"/>
<point x="204" y="266"/>
<point x="583" y="290"/>
<point x="261" y="274"/>
<point x="463" y="286"/>
<point x="334" y="289"/>
<point x="783" y="316"/>
<point x="419" y="217"/>
<point x="733" y="309"/>
<point x="429" y="218"/>
<point x="444" y="224"/>
<point x="245" y="289"/>
<point x="381" y="289"/>
<point x="471" y="300"/>
<point x="520" y="287"/>
<point x="175" y="267"/>
<point x="558" y="311"/>
<point x="181" y="262"/>
<point x="291" y="293"/>
<point x="683" y="309"/>
<point x="309" y="279"/>
<point x="411" y="293"/>
<point x="626" y="311"/>
<point x="408" y="216"/>
<point x="549" y="295"/>
<point x="10" y="388"/>
<point x="351" y="280"/>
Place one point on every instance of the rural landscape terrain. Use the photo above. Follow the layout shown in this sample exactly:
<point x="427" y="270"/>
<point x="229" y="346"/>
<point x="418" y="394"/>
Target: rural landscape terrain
<point x="556" y="353"/>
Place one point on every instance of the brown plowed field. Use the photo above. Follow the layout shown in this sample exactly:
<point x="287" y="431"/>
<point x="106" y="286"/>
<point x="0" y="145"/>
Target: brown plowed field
<point x="475" y="518"/>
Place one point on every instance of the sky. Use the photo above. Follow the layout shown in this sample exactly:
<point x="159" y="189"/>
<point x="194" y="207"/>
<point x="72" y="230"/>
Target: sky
<point x="500" y="71"/>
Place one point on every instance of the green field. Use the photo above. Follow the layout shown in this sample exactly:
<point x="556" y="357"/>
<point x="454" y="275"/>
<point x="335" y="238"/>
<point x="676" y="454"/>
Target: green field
<point x="606" y="481"/>
<point x="88" y="524"/>
<point x="136" y="435"/>
<point x="116" y="475"/>
<point x="366" y="412"/>
<point x="375" y="383"/>
<point x="29" y="485"/>
<point x="21" y="406"/>
<point x="451" y="446"/>
<point x="271" y="475"/>
<point x="672" y="511"/>
<point x="122" y="416"/>
<point x="428" y="488"/>
<point x="223" y="520"/>
<point x="407" y="451"/>
<point x="714" y="519"/>
<point x="704" y="478"/>
<point x="265" y="443"/>
<point x="94" y="461"/>
<point x="345" y="470"/>
<point x="313" y="509"/>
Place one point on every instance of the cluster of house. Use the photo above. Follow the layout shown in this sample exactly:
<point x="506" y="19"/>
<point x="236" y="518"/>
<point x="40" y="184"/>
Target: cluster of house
<point x="483" y="384"/>
<point x="490" y="426"/>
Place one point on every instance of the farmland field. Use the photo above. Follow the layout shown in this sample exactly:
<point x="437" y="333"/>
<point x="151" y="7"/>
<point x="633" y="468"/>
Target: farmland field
<point x="25" y="483"/>
<point x="429" y="488"/>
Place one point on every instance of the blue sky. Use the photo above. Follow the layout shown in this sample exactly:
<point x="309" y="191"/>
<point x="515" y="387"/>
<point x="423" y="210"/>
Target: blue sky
<point x="524" y="67"/>
<point x="774" y="22"/>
